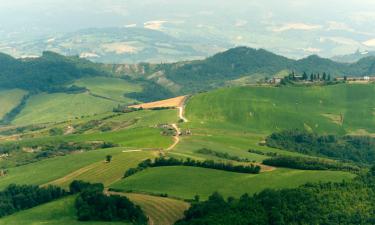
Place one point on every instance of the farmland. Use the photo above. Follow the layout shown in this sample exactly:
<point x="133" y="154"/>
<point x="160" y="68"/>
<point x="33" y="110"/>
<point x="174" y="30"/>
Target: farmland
<point x="228" y="120"/>
<point x="203" y="182"/>
<point x="43" y="108"/>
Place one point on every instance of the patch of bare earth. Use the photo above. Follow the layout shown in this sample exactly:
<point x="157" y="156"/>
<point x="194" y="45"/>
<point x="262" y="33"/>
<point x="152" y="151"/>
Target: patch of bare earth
<point x="172" y="102"/>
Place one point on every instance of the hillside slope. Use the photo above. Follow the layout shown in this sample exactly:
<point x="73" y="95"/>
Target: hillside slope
<point x="234" y="64"/>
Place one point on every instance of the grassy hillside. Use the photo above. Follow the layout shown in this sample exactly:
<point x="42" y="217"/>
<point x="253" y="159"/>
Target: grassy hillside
<point x="39" y="172"/>
<point x="43" y="108"/>
<point x="326" y="109"/>
<point x="110" y="88"/>
<point x="60" y="212"/>
<point x="10" y="99"/>
<point x="186" y="182"/>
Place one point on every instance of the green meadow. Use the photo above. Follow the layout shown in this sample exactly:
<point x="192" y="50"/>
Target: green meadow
<point x="44" y="108"/>
<point x="186" y="182"/>
<point x="111" y="88"/>
<point x="324" y="109"/>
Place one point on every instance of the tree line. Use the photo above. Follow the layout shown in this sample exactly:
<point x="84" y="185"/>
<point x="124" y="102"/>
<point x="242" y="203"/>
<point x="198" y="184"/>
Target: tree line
<point x="359" y="149"/>
<point x="307" y="163"/>
<point x="223" y="155"/>
<point x="210" y="164"/>
<point x="323" y="203"/>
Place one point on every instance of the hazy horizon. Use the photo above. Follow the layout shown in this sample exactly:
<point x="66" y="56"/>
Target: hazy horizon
<point x="294" y="28"/>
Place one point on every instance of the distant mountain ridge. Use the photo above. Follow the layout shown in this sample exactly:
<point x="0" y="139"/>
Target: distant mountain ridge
<point x="236" y="63"/>
<point x="52" y="70"/>
<point x="354" y="57"/>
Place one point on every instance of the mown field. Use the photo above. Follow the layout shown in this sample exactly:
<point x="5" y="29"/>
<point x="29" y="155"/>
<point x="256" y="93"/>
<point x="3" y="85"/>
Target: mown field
<point x="104" y="172"/>
<point x="186" y="182"/>
<point x="161" y="211"/>
<point x="60" y="212"/>
<point x="325" y="109"/>
<point x="111" y="88"/>
<point x="10" y="99"/>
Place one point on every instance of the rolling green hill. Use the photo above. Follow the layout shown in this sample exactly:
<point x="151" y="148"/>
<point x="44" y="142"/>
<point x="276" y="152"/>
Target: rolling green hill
<point x="325" y="109"/>
<point x="240" y="65"/>
<point x="186" y="182"/>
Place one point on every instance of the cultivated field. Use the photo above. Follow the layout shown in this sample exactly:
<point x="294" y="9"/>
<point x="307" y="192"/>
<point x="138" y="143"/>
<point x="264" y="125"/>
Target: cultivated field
<point x="104" y="172"/>
<point x="172" y="102"/>
<point x="161" y="211"/>
<point x="186" y="182"/>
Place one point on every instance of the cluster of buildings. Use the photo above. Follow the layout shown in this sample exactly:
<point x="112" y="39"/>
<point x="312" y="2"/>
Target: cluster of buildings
<point x="357" y="79"/>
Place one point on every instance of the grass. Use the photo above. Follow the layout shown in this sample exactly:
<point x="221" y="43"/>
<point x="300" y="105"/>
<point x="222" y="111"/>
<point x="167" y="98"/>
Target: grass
<point x="161" y="211"/>
<point x="44" y="108"/>
<point x="51" y="169"/>
<point x="60" y="212"/>
<point x="268" y="109"/>
<point x="139" y="137"/>
<point x="111" y="88"/>
<point x="103" y="172"/>
<point x="231" y="142"/>
<point x="10" y="99"/>
<point x="186" y="182"/>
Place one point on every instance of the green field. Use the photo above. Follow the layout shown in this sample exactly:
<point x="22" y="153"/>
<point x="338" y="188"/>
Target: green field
<point x="10" y="99"/>
<point x="103" y="172"/>
<point x="43" y="108"/>
<point x="60" y="212"/>
<point x="186" y="182"/>
<point x="111" y="88"/>
<point x="325" y="109"/>
<point x="138" y="137"/>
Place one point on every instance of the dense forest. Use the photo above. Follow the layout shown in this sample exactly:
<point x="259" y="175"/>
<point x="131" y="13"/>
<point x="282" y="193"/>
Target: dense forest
<point x="325" y="203"/>
<point x="20" y="197"/>
<point x="46" y="73"/>
<point x="92" y="205"/>
<point x="358" y="149"/>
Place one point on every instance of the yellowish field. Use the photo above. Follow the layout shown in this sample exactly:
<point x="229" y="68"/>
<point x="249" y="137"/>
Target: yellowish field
<point x="161" y="211"/>
<point x="172" y="102"/>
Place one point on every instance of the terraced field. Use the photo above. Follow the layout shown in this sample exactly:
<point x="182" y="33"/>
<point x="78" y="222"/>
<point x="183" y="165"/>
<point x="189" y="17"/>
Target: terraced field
<point x="186" y="182"/>
<point x="10" y="99"/>
<point x="161" y="211"/>
<point x="60" y="212"/>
